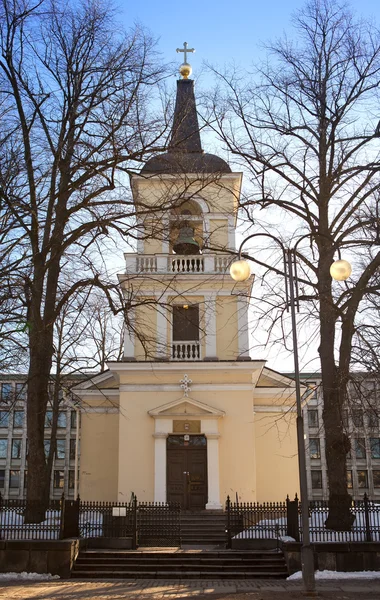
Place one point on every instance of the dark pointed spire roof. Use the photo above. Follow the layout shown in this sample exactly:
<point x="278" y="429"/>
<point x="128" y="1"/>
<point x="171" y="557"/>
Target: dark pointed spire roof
<point x="185" y="154"/>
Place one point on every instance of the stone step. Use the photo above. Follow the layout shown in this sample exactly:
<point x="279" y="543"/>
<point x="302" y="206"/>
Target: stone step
<point x="183" y="564"/>
<point x="187" y="560"/>
<point x="181" y="567"/>
<point x="179" y="554"/>
<point x="178" y="575"/>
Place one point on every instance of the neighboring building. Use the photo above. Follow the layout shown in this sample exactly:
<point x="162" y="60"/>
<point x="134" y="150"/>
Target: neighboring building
<point x="13" y="442"/>
<point x="361" y="420"/>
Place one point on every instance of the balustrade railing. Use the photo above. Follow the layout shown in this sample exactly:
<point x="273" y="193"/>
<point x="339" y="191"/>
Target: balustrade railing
<point x="172" y="263"/>
<point x="186" y="351"/>
<point x="188" y="264"/>
<point x="146" y="264"/>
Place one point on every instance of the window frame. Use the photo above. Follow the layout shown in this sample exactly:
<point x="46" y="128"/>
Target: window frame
<point x="360" y="449"/>
<point x="55" y="479"/>
<point x="11" y="472"/>
<point x="320" y="479"/>
<point x="360" y="485"/>
<point x="59" y="453"/>
<point x="315" y="412"/>
<point x="317" y="452"/>
<point x="5" y="445"/>
<point x="371" y="445"/>
<point x="16" y="443"/>
<point x="16" y="425"/>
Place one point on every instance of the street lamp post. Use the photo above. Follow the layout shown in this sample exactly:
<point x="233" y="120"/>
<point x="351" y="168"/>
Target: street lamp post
<point x="340" y="270"/>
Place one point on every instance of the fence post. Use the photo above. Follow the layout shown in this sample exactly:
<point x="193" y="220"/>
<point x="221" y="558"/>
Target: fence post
<point x="228" y="508"/>
<point x="292" y="522"/>
<point x="367" y="522"/>
<point x="134" y="523"/>
<point x="69" y="518"/>
<point x="62" y="526"/>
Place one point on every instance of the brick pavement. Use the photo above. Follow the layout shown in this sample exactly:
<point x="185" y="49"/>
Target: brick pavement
<point x="164" y="590"/>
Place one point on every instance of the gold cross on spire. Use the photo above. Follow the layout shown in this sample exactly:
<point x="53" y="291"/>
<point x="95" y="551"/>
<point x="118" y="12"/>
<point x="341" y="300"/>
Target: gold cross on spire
<point x="185" y="50"/>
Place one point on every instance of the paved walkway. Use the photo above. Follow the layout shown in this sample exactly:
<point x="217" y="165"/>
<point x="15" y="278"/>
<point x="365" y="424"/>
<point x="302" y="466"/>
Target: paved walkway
<point x="160" y="589"/>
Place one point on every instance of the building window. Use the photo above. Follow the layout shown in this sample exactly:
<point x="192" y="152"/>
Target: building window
<point x="376" y="479"/>
<point x="360" y="452"/>
<point x="3" y="448"/>
<point x="18" y="418"/>
<point x="25" y="479"/>
<point x="2" y="478"/>
<point x="312" y="416"/>
<point x="373" y="419"/>
<point x="14" y="479"/>
<point x="314" y="448"/>
<point x="58" y="479"/>
<point x="185" y="323"/>
<point x="6" y="392"/>
<point x="375" y="447"/>
<point x="316" y="480"/>
<point x="357" y="417"/>
<point x="16" y="448"/>
<point x="60" y="449"/>
<point x="4" y="418"/>
<point x="363" y="479"/>
<point x="61" y="421"/>
<point x="46" y="448"/>
<point x="21" y="391"/>
<point x="73" y="419"/>
<point x="349" y="480"/>
<point x="72" y="448"/>
<point x="71" y="480"/>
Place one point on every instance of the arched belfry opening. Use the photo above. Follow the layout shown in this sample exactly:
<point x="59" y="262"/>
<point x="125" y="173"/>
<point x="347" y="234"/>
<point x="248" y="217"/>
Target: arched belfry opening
<point x="187" y="229"/>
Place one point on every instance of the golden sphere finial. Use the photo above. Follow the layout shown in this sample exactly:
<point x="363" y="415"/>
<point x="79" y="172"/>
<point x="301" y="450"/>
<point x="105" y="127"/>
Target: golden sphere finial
<point x="185" y="70"/>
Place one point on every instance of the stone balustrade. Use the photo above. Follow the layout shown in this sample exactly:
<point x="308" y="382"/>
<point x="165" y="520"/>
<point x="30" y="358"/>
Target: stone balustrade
<point x="172" y="263"/>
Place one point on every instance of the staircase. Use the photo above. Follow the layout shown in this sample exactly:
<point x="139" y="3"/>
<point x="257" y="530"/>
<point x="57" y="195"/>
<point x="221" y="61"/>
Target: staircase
<point x="203" y="528"/>
<point x="179" y="564"/>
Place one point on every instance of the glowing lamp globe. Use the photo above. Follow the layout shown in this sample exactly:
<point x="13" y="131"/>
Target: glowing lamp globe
<point x="240" y="270"/>
<point x="340" y="270"/>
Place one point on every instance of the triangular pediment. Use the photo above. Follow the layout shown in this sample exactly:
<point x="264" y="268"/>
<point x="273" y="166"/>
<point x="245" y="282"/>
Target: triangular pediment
<point x="186" y="407"/>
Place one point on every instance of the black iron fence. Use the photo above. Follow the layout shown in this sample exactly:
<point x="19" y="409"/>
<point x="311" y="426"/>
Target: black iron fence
<point x="14" y="527"/>
<point x="146" y="523"/>
<point x="107" y="519"/>
<point x="255" y="521"/>
<point x="159" y="524"/>
<point x="155" y="524"/>
<point x="366" y="526"/>
<point x="283" y="521"/>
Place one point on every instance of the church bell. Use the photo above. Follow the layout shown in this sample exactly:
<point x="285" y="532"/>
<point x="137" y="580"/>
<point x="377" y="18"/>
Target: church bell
<point x="186" y="244"/>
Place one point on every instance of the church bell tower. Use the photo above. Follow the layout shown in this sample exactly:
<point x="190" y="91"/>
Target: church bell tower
<point x="175" y="418"/>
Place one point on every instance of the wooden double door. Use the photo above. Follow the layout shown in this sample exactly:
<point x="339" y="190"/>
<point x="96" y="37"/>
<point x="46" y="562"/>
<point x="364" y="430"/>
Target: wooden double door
<point x="187" y="471"/>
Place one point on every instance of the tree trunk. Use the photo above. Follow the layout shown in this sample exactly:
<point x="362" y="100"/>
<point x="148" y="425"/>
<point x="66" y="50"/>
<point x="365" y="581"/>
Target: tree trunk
<point x="334" y="384"/>
<point x="38" y="485"/>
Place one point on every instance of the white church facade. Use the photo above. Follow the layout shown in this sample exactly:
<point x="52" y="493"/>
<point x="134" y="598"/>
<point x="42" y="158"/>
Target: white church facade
<point x="189" y="415"/>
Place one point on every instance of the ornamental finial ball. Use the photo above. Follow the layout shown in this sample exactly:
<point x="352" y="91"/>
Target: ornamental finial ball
<point x="340" y="270"/>
<point x="185" y="70"/>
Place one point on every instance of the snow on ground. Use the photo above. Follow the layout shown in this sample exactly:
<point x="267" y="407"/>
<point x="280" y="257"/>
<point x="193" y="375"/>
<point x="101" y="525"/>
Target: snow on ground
<point x="321" y="575"/>
<point x="28" y="576"/>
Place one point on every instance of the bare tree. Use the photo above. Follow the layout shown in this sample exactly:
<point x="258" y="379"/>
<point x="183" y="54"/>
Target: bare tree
<point x="76" y="119"/>
<point x="306" y="131"/>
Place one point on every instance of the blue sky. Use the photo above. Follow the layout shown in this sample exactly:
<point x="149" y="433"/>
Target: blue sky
<point x="220" y="31"/>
